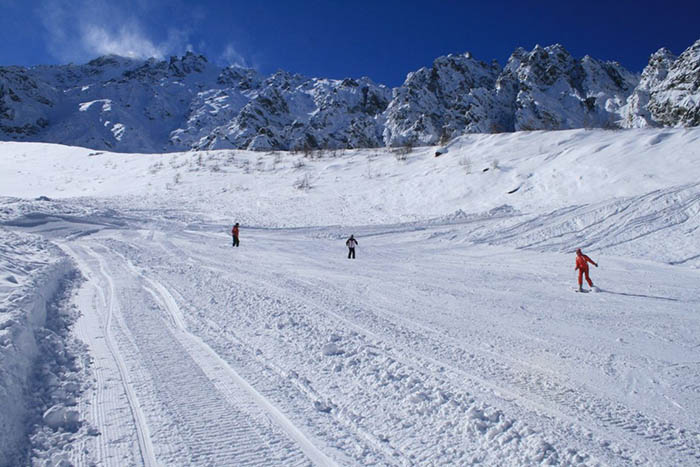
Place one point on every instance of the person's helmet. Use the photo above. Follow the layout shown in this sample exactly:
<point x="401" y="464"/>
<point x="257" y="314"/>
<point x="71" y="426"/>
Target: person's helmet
<point x="236" y="224"/>
<point x="578" y="251"/>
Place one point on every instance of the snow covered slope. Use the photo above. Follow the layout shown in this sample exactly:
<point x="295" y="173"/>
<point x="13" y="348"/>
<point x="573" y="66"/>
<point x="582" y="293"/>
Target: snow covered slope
<point x="523" y="173"/>
<point x="184" y="103"/>
<point x="454" y="337"/>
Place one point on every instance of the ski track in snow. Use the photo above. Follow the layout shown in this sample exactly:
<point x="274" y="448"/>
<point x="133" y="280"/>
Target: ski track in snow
<point x="534" y="387"/>
<point x="209" y="405"/>
<point x="452" y="339"/>
<point x="109" y="304"/>
<point x="265" y="354"/>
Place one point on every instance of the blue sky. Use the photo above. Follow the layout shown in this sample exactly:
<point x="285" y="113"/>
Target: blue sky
<point x="380" y="39"/>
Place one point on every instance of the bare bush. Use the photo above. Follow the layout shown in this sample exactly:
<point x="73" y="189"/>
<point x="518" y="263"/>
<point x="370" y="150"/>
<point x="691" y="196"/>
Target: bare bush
<point x="401" y="152"/>
<point x="307" y="150"/>
<point x="445" y="136"/>
<point x="400" y="155"/>
<point x="466" y="164"/>
<point x="303" y="183"/>
<point x="155" y="168"/>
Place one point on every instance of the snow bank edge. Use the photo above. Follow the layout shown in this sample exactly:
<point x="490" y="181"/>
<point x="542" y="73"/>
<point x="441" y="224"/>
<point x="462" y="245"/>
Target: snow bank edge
<point x="19" y="354"/>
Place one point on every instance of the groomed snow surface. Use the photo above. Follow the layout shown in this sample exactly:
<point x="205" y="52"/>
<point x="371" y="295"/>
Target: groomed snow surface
<point x="132" y="333"/>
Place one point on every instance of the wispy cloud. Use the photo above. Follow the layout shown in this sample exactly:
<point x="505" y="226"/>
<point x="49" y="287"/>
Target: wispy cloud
<point x="78" y="30"/>
<point x="231" y="56"/>
<point x="127" y="42"/>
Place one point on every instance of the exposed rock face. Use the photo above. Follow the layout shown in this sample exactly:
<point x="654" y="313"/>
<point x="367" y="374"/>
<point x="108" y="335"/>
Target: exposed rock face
<point x="675" y="101"/>
<point x="544" y="89"/>
<point x="188" y="103"/>
<point x="24" y="104"/>
<point x="554" y="91"/>
<point x="636" y="113"/>
<point x="668" y="93"/>
<point x="293" y="112"/>
<point x="434" y="103"/>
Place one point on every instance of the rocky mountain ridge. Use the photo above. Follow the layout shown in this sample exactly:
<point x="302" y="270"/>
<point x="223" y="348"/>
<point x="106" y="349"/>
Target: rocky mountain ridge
<point x="186" y="102"/>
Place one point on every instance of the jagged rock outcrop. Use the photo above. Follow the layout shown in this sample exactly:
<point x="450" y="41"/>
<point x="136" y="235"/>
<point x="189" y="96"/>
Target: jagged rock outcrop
<point x="636" y="113"/>
<point x="212" y="109"/>
<point x="187" y="102"/>
<point x="544" y="89"/>
<point x="288" y="111"/>
<point x="668" y="93"/>
<point x="434" y="103"/>
<point x="111" y="102"/>
<point x="24" y="104"/>
<point x="555" y="91"/>
<point x="675" y="101"/>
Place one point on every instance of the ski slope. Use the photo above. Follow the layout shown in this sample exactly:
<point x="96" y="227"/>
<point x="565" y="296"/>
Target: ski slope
<point x="454" y="337"/>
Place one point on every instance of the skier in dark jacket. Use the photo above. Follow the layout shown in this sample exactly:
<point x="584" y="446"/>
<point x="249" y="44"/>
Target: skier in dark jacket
<point x="351" y="243"/>
<point x="582" y="268"/>
<point x="234" y="233"/>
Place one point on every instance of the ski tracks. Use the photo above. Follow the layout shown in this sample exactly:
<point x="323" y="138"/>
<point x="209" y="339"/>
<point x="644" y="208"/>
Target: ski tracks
<point x="581" y="415"/>
<point x="106" y="409"/>
<point x="188" y="406"/>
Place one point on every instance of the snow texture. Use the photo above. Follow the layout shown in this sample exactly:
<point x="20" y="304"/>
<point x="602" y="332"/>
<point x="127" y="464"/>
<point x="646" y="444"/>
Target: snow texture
<point x="132" y="333"/>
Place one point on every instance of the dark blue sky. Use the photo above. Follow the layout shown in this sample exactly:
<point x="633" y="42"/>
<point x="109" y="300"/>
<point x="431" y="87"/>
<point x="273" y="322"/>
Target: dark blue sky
<point x="380" y="39"/>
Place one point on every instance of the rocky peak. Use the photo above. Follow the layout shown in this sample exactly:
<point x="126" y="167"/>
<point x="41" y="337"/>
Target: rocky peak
<point x="432" y="103"/>
<point x="284" y="80"/>
<point x="241" y="78"/>
<point x="174" y="68"/>
<point x="685" y="71"/>
<point x="189" y="63"/>
<point x="112" y="61"/>
<point x="656" y="71"/>
<point x="675" y="101"/>
<point x="543" y="66"/>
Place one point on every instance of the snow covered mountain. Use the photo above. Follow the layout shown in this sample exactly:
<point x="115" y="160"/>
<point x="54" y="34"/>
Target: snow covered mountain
<point x="182" y="103"/>
<point x="186" y="102"/>
<point x="286" y="111"/>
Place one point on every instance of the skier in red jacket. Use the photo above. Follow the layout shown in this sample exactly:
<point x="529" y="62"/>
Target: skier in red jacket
<point x="582" y="268"/>
<point x="234" y="233"/>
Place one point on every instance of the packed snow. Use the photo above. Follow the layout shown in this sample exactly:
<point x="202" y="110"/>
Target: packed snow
<point x="133" y="333"/>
